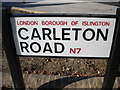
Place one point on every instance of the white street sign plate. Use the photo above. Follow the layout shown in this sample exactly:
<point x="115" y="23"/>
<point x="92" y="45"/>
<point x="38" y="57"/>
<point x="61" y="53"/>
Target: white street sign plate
<point x="63" y="36"/>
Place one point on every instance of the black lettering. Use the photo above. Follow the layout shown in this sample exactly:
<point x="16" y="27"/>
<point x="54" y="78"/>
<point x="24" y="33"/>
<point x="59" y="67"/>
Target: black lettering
<point x="47" y="48"/>
<point x="19" y="33"/>
<point x="56" y="47"/>
<point x="93" y="34"/>
<point x="24" y="46"/>
<point x="54" y="35"/>
<point x="46" y="34"/>
<point x="76" y="32"/>
<point x="35" y="34"/>
<point x="64" y="34"/>
<point x="99" y="32"/>
<point x="32" y="45"/>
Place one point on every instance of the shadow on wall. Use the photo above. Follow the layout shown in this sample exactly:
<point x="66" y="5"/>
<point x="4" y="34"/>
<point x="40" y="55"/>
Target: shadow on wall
<point x="61" y="83"/>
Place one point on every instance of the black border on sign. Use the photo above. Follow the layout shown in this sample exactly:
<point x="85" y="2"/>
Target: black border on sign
<point x="63" y="15"/>
<point x="68" y="15"/>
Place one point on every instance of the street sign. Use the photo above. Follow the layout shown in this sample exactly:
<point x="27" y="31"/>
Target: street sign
<point x="54" y="34"/>
<point x="63" y="36"/>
